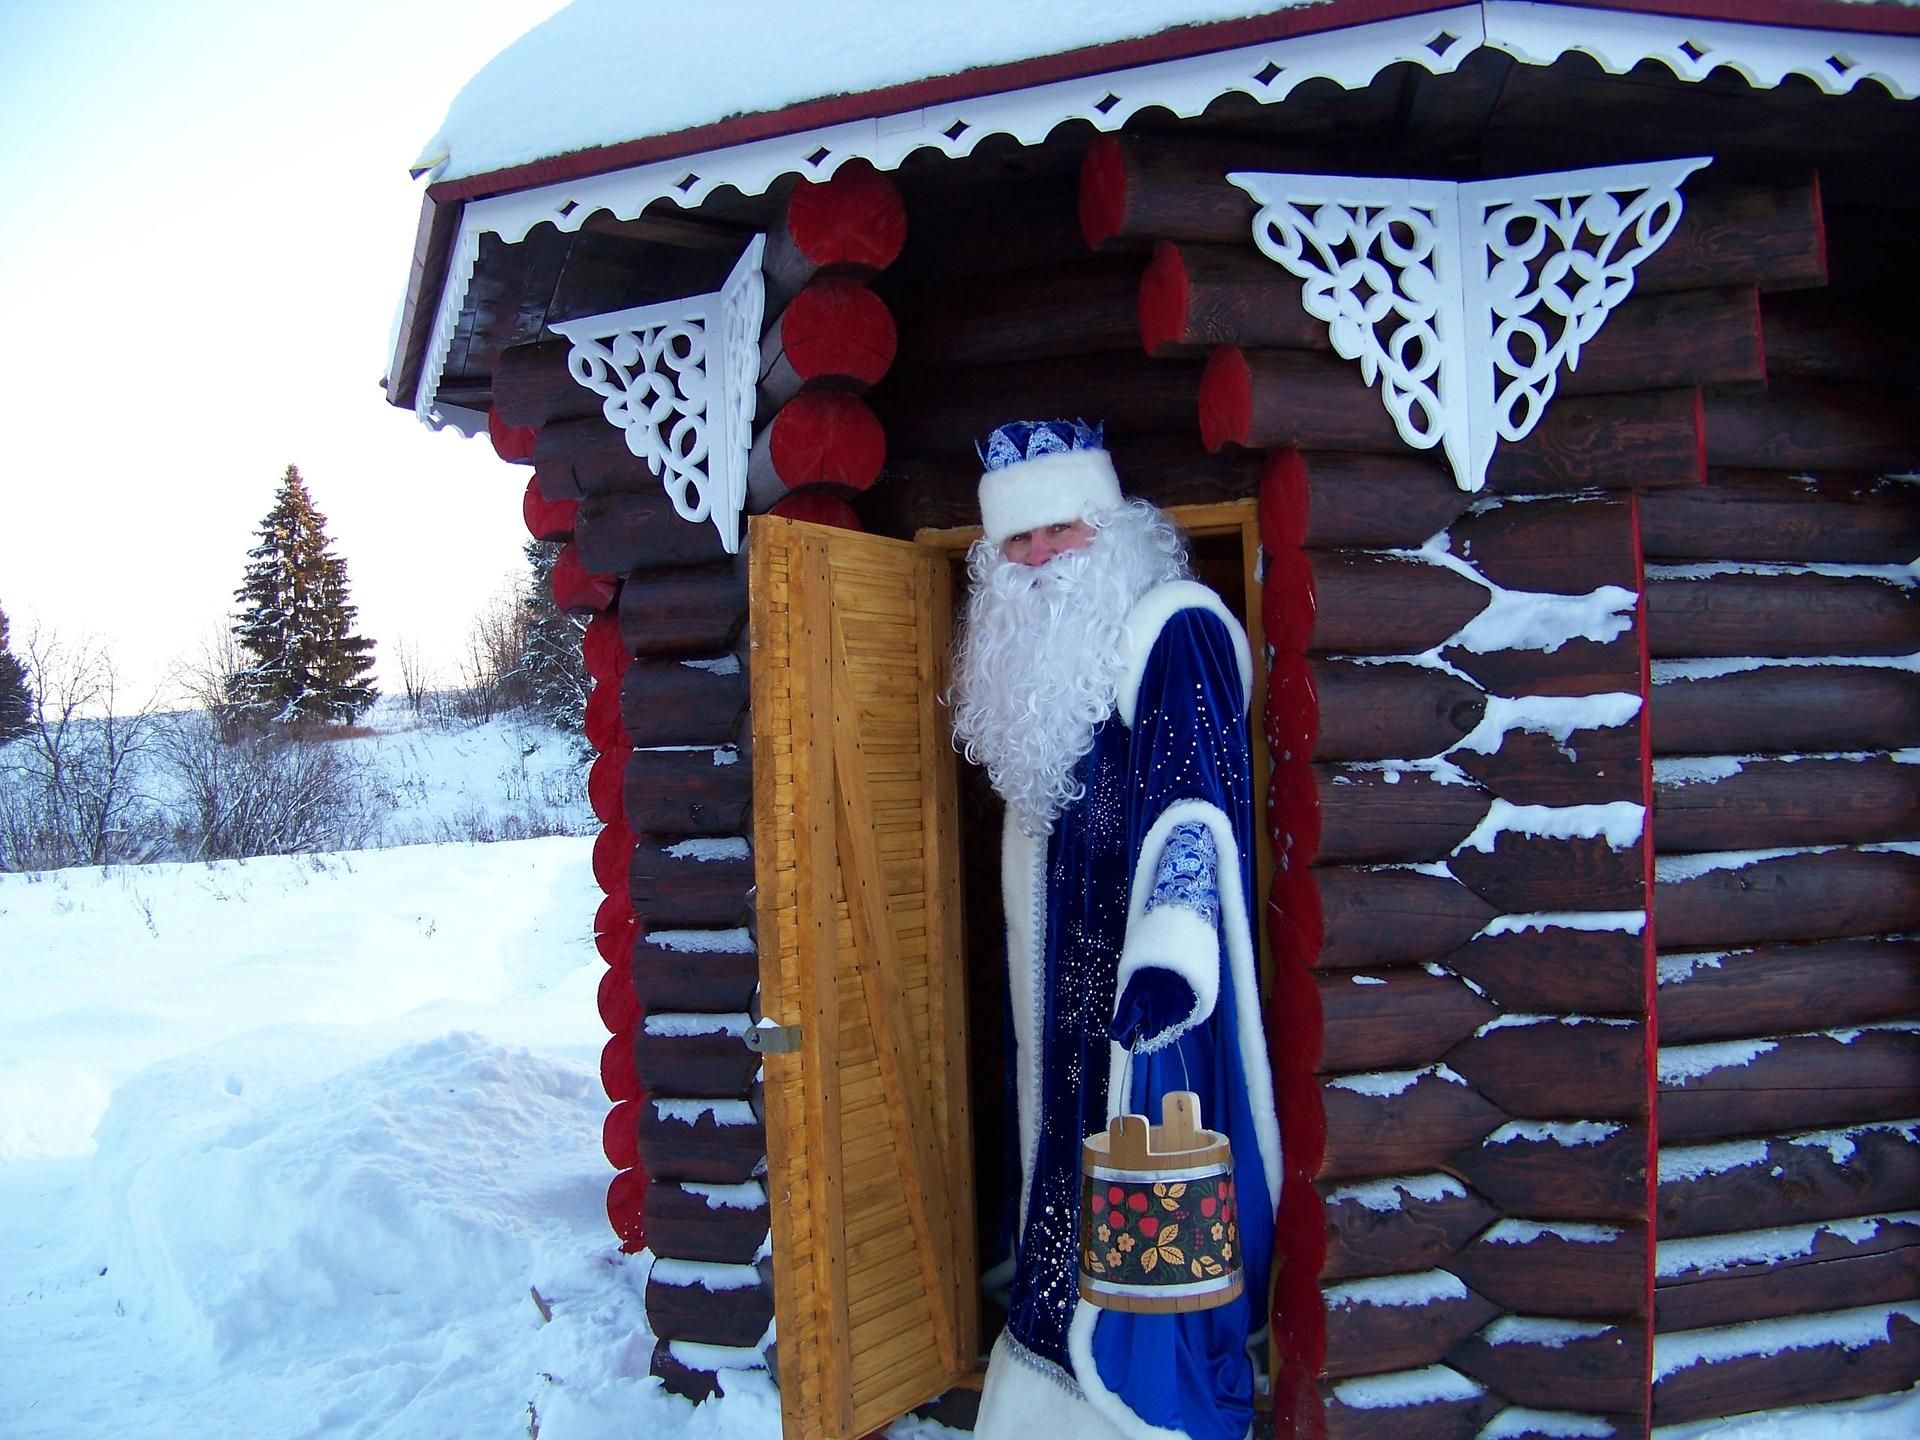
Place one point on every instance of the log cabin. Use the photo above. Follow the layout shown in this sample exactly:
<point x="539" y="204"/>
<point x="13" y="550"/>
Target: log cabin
<point x="1581" y="564"/>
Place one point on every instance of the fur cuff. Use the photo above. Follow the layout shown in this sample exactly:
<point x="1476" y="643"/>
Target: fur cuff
<point x="1175" y="939"/>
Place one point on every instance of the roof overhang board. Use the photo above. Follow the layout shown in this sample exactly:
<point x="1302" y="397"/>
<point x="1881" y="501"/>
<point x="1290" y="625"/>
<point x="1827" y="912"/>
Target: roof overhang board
<point x="1438" y="41"/>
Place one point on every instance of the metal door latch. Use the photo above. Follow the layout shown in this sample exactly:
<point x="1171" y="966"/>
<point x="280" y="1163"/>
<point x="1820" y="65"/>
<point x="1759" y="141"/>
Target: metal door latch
<point x="767" y="1038"/>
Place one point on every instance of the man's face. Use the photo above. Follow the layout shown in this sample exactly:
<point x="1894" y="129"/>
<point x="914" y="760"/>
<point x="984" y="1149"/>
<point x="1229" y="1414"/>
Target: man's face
<point x="1037" y="547"/>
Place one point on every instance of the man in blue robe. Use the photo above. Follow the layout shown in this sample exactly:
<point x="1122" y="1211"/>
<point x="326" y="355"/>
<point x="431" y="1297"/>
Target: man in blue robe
<point x="1106" y="693"/>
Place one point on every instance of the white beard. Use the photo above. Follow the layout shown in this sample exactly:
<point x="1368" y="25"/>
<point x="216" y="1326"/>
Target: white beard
<point x="1038" y="661"/>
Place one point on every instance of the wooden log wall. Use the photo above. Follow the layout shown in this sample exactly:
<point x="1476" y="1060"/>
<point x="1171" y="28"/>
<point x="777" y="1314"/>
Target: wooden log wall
<point x="672" y="783"/>
<point x="1783" y="624"/>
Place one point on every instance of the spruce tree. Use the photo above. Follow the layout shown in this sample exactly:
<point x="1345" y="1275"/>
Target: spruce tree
<point x="16" y="694"/>
<point x="550" y="674"/>
<point x="295" y="622"/>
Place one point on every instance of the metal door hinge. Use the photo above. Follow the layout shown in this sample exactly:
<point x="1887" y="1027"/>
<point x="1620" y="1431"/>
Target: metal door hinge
<point x="767" y="1038"/>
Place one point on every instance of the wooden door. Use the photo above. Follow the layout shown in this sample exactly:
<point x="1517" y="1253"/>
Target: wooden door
<point x="856" y="858"/>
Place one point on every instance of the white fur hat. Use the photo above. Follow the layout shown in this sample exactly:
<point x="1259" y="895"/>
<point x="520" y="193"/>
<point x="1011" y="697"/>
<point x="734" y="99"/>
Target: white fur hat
<point x="1044" y="472"/>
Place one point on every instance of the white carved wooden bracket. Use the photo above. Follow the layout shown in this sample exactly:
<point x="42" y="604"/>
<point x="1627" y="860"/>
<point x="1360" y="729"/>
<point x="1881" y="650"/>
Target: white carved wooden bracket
<point x="1463" y="301"/>
<point x="678" y="377"/>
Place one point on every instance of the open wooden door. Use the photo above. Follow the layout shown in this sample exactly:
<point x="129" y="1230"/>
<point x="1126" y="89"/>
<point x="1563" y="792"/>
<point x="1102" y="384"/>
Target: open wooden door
<point x="869" y="1144"/>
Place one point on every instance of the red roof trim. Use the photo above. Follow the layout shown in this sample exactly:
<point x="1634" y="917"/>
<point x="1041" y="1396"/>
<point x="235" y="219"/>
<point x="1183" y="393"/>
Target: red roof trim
<point x="1177" y="43"/>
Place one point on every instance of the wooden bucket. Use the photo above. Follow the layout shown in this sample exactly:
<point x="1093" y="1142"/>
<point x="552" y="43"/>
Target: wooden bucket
<point x="1159" y="1231"/>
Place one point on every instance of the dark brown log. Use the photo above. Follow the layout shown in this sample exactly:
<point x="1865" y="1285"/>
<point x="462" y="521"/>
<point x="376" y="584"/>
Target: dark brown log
<point x="1560" y="546"/>
<point x="1779" y="616"/>
<point x="681" y="702"/>
<point x="1584" y="1066"/>
<point x="668" y="975"/>
<point x="1799" y="1082"/>
<point x="588" y="456"/>
<point x="1781" y="988"/>
<point x="546" y="519"/>
<point x="1768" y="803"/>
<point x="688" y="792"/>
<point x="1396" y="1019"/>
<point x="1057" y="311"/>
<point x="576" y="588"/>
<point x="1371" y="712"/>
<point x="1193" y="297"/>
<point x="1809" y="427"/>
<point x="1786" y="1183"/>
<point x="1329" y="500"/>
<point x="1383" y="917"/>
<point x="1363" y="1337"/>
<point x="688" y="1226"/>
<point x="683" y="1380"/>
<point x="702" y="1149"/>
<point x="1785" y="710"/>
<point x="532" y="386"/>
<point x="1430" y="1420"/>
<point x="1809" y="896"/>
<point x="836" y="334"/>
<point x="1673" y="341"/>
<point x="1135" y="189"/>
<point x="1034" y="226"/>
<point x="1815" y="336"/>
<point x="1530" y="1269"/>
<point x="715" y="1066"/>
<point x="691" y="884"/>
<point x="1799" y="1376"/>
<point x="1746" y="515"/>
<point x="1837" y="1272"/>
<point x="819" y="438"/>
<point x="1770" y="236"/>
<point x="932" y="412"/>
<point x="639" y="531"/>
<point x="1552" y="969"/>
<point x="709" y="1317"/>
<point x="1526" y="874"/>
<point x="1605" y="1372"/>
<point x="1358" y="602"/>
<point x="1364" y="820"/>
<point x="1268" y="399"/>
<point x="1400" y="1123"/>
<point x="682" y="612"/>
<point x="1591" y="767"/>
<point x="850" y="224"/>
<point x="1596" y="1170"/>
<point x="1406" y="1233"/>
<point x="1579" y="667"/>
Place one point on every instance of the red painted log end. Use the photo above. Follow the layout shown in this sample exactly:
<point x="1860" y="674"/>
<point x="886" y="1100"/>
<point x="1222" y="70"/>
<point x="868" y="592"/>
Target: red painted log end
<point x="839" y="330"/>
<point x="626" y="1208"/>
<point x="547" y="519"/>
<point x="606" y="779"/>
<point x="856" y="218"/>
<point x="617" y="1075"/>
<point x="606" y="730"/>
<point x="616" y="945"/>
<point x="512" y="443"/>
<point x="1287" y="602"/>
<point x="819" y="506"/>
<point x="824" y="437"/>
<point x="613" y="856"/>
<point x="1103" y="191"/>
<point x="1226" y="399"/>
<point x="1285" y="501"/>
<point x="619" y="1010"/>
<point x="574" y="587"/>
<point x="1165" y="292"/>
<point x="613" y="917"/>
<point x="620" y="1135"/>
<point x="602" y="651"/>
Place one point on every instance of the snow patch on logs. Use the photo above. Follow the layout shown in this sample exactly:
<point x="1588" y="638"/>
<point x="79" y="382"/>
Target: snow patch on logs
<point x="719" y="665"/>
<point x="1525" y="1232"/>
<point x="1548" y="1334"/>
<point x="1849" y="1329"/>
<point x="688" y="1112"/>
<point x="677" y="1026"/>
<point x="711" y="1275"/>
<point x="1557" y="715"/>
<point x="1619" y="822"/>
<point x="717" y="1359"/>
<point x="1841" y="1144"/>
<point x="1681" y="1063"/>
<point x="1632" y="922"/>
<point x="1407" y="1387"/>
<point x="1383" y="1083"/>
<point x="1696" y="1162"/>
<point x="1672" y="869"/>
<point x="1904" y="576"/>
<point x="1391" y="1194"/>
<point x="1518" y="1423"/>
<point x="1526" y="619"/>
<point x="1510" y="1021"/>
<point x="747" y="1195"/>
<point x="1406" y="1291"/>
<point x="1439" y="769"/>
<point x="1696" y="770"/>
<point x="1678" y="969"/>
<point x="1710" y="1254"/>
<point x="704" y="942"/>
<point x="704" y="848"/>
<point x="1667" y="671"/>
<point x="1565" y="1133"/>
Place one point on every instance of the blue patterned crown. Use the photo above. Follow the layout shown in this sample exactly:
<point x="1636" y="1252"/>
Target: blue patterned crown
<point x="1020" y="440"/>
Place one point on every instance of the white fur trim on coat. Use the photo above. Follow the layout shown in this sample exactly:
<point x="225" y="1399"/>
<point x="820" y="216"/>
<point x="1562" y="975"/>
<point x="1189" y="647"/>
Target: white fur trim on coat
<point x="1054" y="489"/>
<point x="1149" y="617"/>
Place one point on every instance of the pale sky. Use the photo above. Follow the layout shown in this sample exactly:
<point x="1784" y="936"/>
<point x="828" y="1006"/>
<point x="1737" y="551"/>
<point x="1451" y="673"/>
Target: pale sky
<point x="205" y="228"/>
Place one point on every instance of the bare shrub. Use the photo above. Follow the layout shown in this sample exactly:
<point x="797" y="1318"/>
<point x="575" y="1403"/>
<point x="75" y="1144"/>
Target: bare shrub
<point x="281" y="792"/>
<point x="415" y="678"/>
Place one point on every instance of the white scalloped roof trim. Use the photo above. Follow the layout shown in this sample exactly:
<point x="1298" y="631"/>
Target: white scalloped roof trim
<point x="1438" y="42"/>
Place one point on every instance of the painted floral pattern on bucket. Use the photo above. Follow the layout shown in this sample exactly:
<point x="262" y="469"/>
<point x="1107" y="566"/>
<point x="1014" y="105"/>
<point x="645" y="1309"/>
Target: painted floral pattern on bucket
<point x="1155" y="1233"/>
